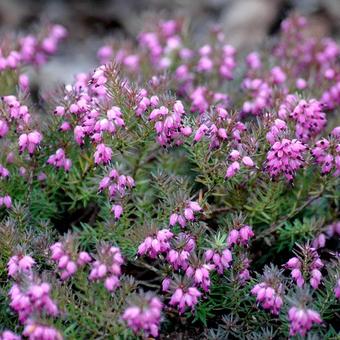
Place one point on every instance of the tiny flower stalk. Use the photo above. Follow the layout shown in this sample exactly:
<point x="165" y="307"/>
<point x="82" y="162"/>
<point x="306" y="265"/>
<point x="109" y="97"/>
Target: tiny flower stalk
<point x="219" y="255"/>
<point x="199" y="271"/>
<point x="300" y="315"/>
<point x="185" y="213"/>
<point x="67" y="258"/>
<point x="107" y="266"/>
<point x="184" y="294"/>
<point x="306" y="266"/>
<point x="29" y="296"/>
<point x="117" y="186"/>
<point x="269" y="292"/>
<point x="180" y="249"/>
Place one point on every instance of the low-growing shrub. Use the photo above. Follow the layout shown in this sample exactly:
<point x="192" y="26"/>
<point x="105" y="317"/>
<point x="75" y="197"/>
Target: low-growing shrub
<point x="175" y="192"/>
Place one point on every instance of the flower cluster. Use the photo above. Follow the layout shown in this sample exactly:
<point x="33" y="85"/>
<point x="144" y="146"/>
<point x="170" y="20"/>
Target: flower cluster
<point x="337" y="289"/>
<point x="20" y="264"/>
<point x="331" y="96"/>
<point x="269" y="291"/>
<point x="199" y="271"/>
<point x="32" y="299"/>
<point x="285" y="157"/>
<point x="8" y="335"/>
<point x="152" y="246"/>
<point x="241" y="235"/>
<point x="32" y="50"/>
<point x="219" y="126"/>
<point x="310" y="119"/>
<point x="234" y="167"/>
<point x="220" y="259"/>
<point x="16" y="113"/>
<point x="107" y="267"/>
<point x="37" y="330"/>
<point x="306" y="265"/>
<point x="301" y="320"/>
<point x="327" y="154"/>
<point x="276" y="131"/>
<point x="64" y="254"/>
<point x="145" y="316"/>
<point x="117" y="186"/>
<point x="59" y="160"/>
<point x="169" y="124"/>
<point x="181" y="248"/>
<point x="185" y="296"/>
<point x="260" y="93"/>
<point x="185" y="122"/>
<point x="29" y="141"/>
<point x="187" y="213"/>
<point x="29" y="297"/>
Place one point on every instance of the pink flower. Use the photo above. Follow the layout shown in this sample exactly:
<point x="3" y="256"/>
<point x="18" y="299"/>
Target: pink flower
<point x="300" y="83"/>
<point x="302" y="320"/>
<point x="79" y="134"/>
<point x="166" y="284"/>
<point x="20" y="263"/>
<point x="103" y="154"/>
<point x="310" y="120"/>
<point x="253" y="61"/>
<point x="278" y="76"/>
<point x="327" y="154"/>
<point x="232" y="169"/>
<point x="34" y="330"/>
<point x="65" y="255"/>
<point x="59" y="160"/>
<point x="188" y="214"/>
<point x="221" y="260"/>
<point x="107" y="267"/>
<point x="276" y="131"/>
<point x="247" y="161"/>
<point x="152" y="246"/>
<point x="117" y="210"/>
<point x="6" y="200"/>
<point x="241" y="236"/>
<point x="184" y="298"/>
<point x="32" y="299"/>
<point x="180" y="249"/>
<point x="285" y="157"/>
<point x="104" y="54"/>
<point x="145" y="317"/>
<point x="312" y="272"/>
<point x="200" y="132"/>
<point x="270" y="290"/>
<point x="29" y="141"/>
<point x="3" y="128"/>
<point x="337" y="289"/>
<point x="8" y="335"/>
<point x="83" y="258"/>
<point x="200" y="275"/>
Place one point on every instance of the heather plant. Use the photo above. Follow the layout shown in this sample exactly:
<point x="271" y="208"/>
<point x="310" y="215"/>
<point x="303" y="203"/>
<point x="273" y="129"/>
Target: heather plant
<point x="176" y="189"/>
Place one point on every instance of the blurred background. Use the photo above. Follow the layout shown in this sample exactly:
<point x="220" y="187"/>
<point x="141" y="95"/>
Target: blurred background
<point x="246" y="23"/>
